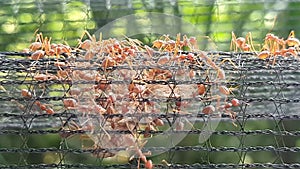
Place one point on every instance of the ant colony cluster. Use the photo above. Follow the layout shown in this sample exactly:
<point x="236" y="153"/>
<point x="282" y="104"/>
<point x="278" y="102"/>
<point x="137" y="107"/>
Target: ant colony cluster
<point x="273" y="46"/>
<point x="124" y="93"/>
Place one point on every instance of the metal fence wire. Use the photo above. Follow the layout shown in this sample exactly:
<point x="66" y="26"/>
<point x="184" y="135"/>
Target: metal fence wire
<point x="106" y="108"/>
<point x="95" y="123"/>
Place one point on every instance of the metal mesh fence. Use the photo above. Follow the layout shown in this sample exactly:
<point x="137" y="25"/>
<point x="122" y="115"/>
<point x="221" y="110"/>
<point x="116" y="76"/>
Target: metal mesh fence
<point x="78" y="109"/>
<point x="262" y="133"/>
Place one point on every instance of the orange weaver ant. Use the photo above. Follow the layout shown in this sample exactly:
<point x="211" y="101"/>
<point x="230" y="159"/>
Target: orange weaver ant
<point x="244" y="44"/>
<point x="27" y="94"/>
<point x="165" y="43"/>
<point x="292" y="41"/>
<point x="42" y="46"/>
<point x="275" y="46"/>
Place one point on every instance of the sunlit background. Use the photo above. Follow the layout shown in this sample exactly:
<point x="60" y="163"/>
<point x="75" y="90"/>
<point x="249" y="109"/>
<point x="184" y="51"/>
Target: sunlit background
<point x="66" y="20"/>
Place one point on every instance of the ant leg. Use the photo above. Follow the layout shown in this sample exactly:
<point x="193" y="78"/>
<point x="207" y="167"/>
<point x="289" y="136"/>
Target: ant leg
<point x="292" y="34"/>
<point x="250" y="41"/>
<point x="233" y="42"/>
<point x="35" y="34"/>
<point x="88" y="35"/>
<point x="92" y="38"/>
<point x="230" y="61"/>
<point x="41" y="39"/>
<point x="47" y="45"/>
<point x="274" y="60"/>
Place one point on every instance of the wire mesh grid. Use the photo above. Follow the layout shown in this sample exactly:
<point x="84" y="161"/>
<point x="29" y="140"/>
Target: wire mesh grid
<point x="39" y="130"/>
<point x="265" y="123"/>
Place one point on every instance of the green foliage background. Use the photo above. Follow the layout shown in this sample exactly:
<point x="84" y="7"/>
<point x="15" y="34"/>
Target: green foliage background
<point x="65" y="21"/>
